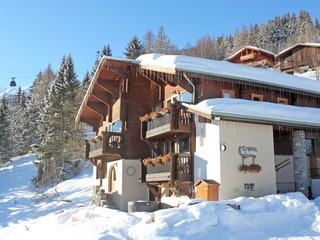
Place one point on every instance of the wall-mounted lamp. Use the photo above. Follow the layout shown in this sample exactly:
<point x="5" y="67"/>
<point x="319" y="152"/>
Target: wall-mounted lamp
<point x="223" y="147"/>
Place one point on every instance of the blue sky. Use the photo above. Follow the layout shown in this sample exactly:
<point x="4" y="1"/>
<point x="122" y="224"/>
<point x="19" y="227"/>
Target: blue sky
<point x="35" y="33"/>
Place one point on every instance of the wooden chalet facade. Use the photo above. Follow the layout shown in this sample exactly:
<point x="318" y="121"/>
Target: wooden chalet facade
<point x="300" y="58"/>
<point x="253" y="56"/>
<point x="136" y="109"/>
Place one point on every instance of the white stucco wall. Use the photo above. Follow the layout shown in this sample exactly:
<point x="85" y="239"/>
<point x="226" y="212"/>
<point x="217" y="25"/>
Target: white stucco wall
<point x="235" y="135"/>
<point x="127" y="187"/>
<point x="207" y="155"/>
<point x="222" y="166"/>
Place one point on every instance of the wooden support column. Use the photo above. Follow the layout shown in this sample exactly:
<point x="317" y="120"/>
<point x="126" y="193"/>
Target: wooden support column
<point x="154" y="192"/>
<point x="183" y="189"/>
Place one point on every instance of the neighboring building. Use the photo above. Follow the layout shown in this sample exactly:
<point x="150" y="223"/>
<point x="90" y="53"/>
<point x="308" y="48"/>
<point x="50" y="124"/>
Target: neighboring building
<point x="300" y="58"/>
<point x="166" y="122"/>
<point x="253" y="56"/>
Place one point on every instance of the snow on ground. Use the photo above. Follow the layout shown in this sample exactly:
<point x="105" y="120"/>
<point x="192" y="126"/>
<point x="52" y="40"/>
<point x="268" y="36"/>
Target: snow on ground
<point x="29" y="214"/>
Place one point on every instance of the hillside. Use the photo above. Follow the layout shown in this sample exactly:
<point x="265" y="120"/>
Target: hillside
<point x="11" y="91"/>
<point x="65" y="212"/>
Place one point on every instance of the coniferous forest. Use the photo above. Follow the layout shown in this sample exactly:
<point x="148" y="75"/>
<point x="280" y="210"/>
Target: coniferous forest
<point x="42" y="121"/>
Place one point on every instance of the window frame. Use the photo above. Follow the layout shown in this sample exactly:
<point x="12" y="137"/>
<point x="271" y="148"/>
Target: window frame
<point x="231" y="92"/>
<point x="281" y="100"/>
<point x="257" y="96"/>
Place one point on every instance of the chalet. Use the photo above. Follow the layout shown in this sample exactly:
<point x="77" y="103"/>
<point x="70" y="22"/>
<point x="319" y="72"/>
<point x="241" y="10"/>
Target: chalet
<point x="300" y="58"/>
<point x="166" y="123"/>
<point x="253" y="56"/>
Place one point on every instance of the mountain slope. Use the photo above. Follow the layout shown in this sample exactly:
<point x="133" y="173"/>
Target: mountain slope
<point x="14" y="90"/>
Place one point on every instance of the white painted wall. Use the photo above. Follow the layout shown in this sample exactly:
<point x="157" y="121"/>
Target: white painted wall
<point x="207" y="156"/>
<point x="235" y="135"/>
<point x="222" y="166"/>
<point x="127" y="187"/>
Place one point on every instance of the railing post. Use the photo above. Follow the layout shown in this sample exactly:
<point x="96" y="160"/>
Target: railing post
<point x="87" y="149"/>
<point x="143" y="172"/>
<point x="104" y="142"/>
<point x="174" y="121"/>
<point x="173" y="168"/>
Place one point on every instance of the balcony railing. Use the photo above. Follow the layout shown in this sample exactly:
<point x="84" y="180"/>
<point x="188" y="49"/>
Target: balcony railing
<point x="110" y="143"/>
<point x="286" y="65"/>
<point x="247" y="57"/>
<point x="171" y="167"/>
<point x="169" y="121"/>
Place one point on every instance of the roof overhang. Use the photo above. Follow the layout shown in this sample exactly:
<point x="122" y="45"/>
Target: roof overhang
<point x="92" y="109"/>
<point x="257" y="112"/>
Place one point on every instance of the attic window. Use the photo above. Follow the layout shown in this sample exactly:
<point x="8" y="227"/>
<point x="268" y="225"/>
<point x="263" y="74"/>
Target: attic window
<point x="282" y="100"/>
<point x="227" y="93"/>
<point x="257" y="97"/>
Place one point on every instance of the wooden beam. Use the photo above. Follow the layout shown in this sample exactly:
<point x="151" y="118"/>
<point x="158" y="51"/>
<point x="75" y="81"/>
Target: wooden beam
<point x="105" y="97"/>
<point x="154" y="192"/>
<point x="109" y="85"/>
<point x="94" y="122"/>
<point x="152" y="147"/>
<point x="183" y="189"/>
<point x="99" y="107"/>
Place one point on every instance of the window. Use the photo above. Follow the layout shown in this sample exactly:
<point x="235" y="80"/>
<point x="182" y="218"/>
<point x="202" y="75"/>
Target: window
<point x="112" y="181"/>
<point x="227" y="93"/>
<point x="185" y="96"/>
<point x="115" y="127"/>
<point x="282" y="100"/>
<point x="173" y="146"/>
<point x="184" y="145"/>
<point x="309" y="146"/>
<point x="256" y="97"/>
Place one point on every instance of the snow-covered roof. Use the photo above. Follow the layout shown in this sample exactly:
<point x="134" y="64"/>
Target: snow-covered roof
<point x="298" y="44"/>
<point x="264" y="112"/>
<point x="173" y="63"/>
<point x="253" y="48"/>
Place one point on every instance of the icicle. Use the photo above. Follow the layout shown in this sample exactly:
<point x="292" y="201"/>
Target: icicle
<point x="279" y="132"/>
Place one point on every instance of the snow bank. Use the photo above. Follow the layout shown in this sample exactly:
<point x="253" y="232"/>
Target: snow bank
<point x="283" y="216"/>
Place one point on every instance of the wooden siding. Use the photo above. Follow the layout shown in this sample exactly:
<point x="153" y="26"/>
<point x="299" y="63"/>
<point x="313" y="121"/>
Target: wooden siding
<point x="253" y="57"/>
<point x="116" y="110"/>
<point x="213" y="89"/>
<point x="138" y="102"/>
<point x="282" y="141"/>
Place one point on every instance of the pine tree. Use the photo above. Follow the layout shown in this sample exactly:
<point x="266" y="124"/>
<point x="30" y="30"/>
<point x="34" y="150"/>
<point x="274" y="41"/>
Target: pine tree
<point x="35" y="103"/>
<point x="134" y="48"/>
<point x="6" y="141"/>
<point x="19" y="124"/>
<point x="58" y="132"/>
<point x="106" y="51"/>
<point x="86" y="81"/>
<point x="305" y="27"/>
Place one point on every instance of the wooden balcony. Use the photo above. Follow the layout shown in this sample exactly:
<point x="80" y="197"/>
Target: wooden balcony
<point x="110" y="146"/>
<point x="168" y="122"/>
<point x="169" y="168"/>
<point x="286" y="65"/>
<point x="247" y="57"/>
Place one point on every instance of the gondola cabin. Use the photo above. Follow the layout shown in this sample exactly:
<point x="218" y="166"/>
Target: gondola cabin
<point x="13" y="83"/>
